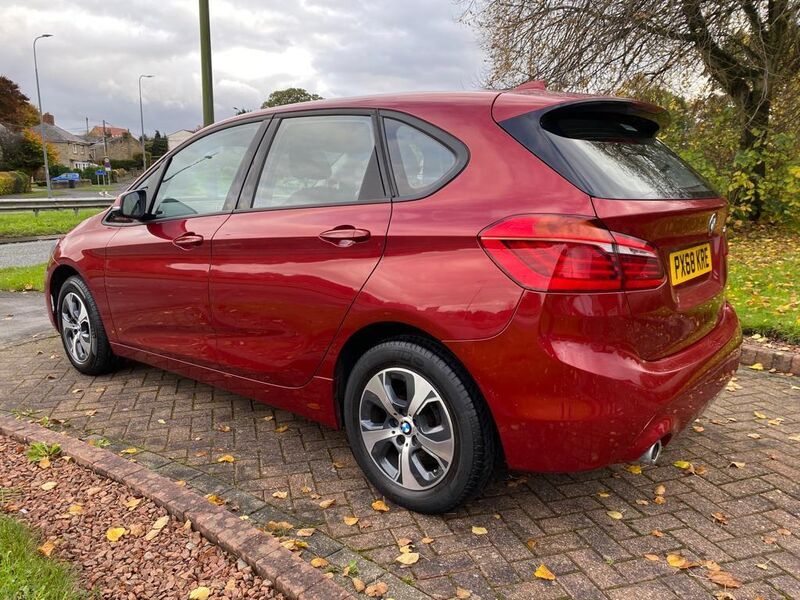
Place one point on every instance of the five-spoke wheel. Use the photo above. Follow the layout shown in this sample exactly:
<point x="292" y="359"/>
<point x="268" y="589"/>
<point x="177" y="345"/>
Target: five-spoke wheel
<point x="76" y="328"/>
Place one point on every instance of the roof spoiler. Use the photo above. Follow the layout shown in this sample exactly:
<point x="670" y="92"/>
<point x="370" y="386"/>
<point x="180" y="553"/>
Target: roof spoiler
<point x="644" y="110"/>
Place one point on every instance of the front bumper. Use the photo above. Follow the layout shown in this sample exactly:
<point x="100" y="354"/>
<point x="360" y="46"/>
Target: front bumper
<point x="564" y="404"/>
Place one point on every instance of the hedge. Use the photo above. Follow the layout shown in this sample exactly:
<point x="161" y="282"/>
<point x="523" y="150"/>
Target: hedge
<point x="14" y="182"/>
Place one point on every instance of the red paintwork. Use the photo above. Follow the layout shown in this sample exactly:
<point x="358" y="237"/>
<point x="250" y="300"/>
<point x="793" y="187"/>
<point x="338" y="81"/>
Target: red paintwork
<point x="263" y="307"/>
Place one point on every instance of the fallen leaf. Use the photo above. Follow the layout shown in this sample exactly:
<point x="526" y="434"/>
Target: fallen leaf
<point x="653" y="557"/>
<point x="115" y="533"/>
<point x="160" y="523"/>
<point x="698" y="470"/>
<point x="660" y="490"/>
<point x="642" y="502"/>
<point x="757" y="366"/>
<point x="129" y="451"/>
<point x="225" y="458"/>
<point x="294" y="545"/>
<point x="200" y="593"/>
<point x="720" y="518"/>
<point x="319" y="562"/>
<point x="462" y="593"/>
<point x="603" y="494"/>
<point x="380" y="506"/>
<point x="544" y="573"/>
<point x="75" y="509"/>
<point x="784" y="531"/>
<point x="682" y="464"/>
<point x="305" y="489"/>
<point x="660" y="500"/>
<point x="737" y="464"/>
<point x="755" y="436"/>
<point x="479" y="530"/>
<point x="224" y="428"/>
<point x="216" y="500"/>
<point x="338" y="465"/>
<point x="306" y="532"/>
<point x="44" y="463"/>
<point x="763" y="566"/>
<point x="724" y="579"/>
<point x="711" y="565"/>
<point x="795" y="437"/>
<point x="759" y="415"/>
<point x="282" y="429"/>
<point x="614" y="514"/>
<point x="132" y="503"/>
<point x="350" y="521"/>
<point x="279" y="526"/>
<point x="282" y="495"/>
<point x="699" y="428"/>
<point x="727" y="596"/>
<point x="90" y="413"/>
<point x="358" y="585"/>
<point x="268" y="418"/>
<point x="404" y="541"/>
<point x="47" y="486"/>
<point x="768" y="539"/>
<point x="162" y="422"/>
<point x="678" y="561"/>
<point x="427" y="540"/>
<point x="657" y="533"/>
<point x="733" y="386"/>
<point x="47" y="548"/>
<point x="327" y="503"/>
<point x="376" y="590"/>
<point x="635" y="469"/>
<point x="531" y="544"/>
<point x="407" y="558"/>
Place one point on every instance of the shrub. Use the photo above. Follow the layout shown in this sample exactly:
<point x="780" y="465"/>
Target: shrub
<point x="7" y="182"/>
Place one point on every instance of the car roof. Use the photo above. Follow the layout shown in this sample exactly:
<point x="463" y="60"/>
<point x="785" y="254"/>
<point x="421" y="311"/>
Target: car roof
<point x="531" y="99"/>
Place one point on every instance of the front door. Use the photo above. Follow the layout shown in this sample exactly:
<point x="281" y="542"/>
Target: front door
<point x="286" y="268"/>
<point x="157" y="270"/>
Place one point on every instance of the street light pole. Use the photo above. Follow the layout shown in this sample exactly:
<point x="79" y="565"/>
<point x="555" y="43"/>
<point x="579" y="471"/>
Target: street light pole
<point x="41" y="116"/>
<point x="205" y="64"/>
<point x="141" y="118"/>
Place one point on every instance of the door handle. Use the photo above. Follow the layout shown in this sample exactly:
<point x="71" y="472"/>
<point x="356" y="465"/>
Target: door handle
<point x="188" y="240"/>
<point x="345" y="236"/>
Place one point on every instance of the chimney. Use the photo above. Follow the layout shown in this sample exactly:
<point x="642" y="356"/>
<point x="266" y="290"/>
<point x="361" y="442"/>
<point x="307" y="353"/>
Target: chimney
<point x="49" y="119"/>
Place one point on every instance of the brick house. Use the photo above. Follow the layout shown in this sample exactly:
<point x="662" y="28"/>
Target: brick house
<point x="72" y="151"/>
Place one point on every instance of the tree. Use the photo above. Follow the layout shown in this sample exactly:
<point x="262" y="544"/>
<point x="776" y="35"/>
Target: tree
<point x="15" y="108"/>
<point x="289" y="96"/>
<point x="747" y="49"/>
<point x="158" y="147"/>
<point x="25" y="153"/>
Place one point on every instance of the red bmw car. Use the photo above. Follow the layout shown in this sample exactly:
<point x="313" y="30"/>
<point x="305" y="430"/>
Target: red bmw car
<point x="456" y="279"/>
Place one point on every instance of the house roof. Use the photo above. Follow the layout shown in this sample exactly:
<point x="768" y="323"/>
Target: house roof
<point x="111" y="131"/>
<point x="55" y="135"/>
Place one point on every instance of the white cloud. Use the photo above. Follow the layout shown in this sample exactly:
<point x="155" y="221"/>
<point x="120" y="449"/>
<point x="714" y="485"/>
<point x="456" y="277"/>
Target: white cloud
<point x="332" y="47"/>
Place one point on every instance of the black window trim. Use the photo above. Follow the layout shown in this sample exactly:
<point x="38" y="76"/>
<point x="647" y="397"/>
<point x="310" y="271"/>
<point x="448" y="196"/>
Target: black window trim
<point x="162" y="164"/>
<point x="248" y="192"/>
<point x="452" y="143"/>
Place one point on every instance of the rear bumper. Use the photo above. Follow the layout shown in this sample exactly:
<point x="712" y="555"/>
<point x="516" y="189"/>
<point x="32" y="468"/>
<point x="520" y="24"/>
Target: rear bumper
<point x="568" y="404"/>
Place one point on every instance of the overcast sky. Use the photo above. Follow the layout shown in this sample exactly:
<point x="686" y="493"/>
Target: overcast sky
<point x="332" y="47"/>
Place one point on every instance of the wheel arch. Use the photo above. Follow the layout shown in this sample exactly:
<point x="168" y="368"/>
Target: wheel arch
<point x="376" y="333"/>
<point x="59" y="275"/>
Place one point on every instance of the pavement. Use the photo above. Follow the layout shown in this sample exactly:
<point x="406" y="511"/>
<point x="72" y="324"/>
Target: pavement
<point x="24" y="317"/>
<point x="25" y="254"/>
<point x="744" y="516"/>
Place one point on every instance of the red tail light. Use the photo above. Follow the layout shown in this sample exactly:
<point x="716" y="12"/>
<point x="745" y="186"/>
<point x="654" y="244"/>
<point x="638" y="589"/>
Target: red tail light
<point x="570" y="254"/>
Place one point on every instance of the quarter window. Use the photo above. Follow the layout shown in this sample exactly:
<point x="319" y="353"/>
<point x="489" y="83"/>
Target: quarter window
<point x="419" y="161"/>
<point x="320" y="160"/>
<point x="199" y="177"/>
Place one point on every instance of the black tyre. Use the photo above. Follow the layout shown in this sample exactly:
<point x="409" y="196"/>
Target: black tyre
<point x="418" y="426"/>
<point x="82" y="331"/>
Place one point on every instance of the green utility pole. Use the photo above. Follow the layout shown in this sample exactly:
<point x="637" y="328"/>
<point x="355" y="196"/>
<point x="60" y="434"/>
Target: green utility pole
<point x="205" y="64"/>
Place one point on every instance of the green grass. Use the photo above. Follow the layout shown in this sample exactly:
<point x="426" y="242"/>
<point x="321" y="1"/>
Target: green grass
<point x="18" y="279"/>
<point x="48" y="222"/>
<point x="37" y="193"/>
<point x="25" y="574"/>
<point x="764" y="281"/>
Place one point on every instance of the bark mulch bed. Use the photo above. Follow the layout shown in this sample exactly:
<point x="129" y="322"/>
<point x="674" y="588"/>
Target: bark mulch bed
<point x="146" y="562"/>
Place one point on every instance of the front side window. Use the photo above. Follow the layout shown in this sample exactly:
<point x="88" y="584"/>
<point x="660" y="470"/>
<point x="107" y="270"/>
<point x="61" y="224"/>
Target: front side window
<point x="320" y="160"/>
<point x="199" y="177"/>
<point x="419" y="161"/>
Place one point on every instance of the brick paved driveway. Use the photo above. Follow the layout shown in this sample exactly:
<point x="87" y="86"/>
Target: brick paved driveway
<point x="183" y="427"/>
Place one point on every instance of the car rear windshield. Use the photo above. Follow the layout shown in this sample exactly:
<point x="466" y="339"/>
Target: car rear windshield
<point x="608" y="154"/>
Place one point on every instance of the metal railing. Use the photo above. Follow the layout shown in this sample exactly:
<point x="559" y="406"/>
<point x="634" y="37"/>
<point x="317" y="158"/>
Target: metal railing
<point x="75" y="204"/>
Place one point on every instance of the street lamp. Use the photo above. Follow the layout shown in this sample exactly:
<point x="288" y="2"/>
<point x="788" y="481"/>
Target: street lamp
<point x="41" y="115"/>
<point x="141" y="118"/>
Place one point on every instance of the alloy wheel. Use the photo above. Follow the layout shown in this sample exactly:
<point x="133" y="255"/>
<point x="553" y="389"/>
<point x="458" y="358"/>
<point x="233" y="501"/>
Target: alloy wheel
<point x="406" y="428"/>
<point x="76" y="328"/>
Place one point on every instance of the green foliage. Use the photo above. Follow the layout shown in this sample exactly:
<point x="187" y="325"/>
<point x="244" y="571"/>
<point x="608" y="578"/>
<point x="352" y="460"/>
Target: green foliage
<point x="158" y="146"/>
<point x="289" y="96"/>
<point x="27" y="575"/>
<point x="15" y="109"/>
<point x="40" y="450"/>
<point x="24" y="152"/>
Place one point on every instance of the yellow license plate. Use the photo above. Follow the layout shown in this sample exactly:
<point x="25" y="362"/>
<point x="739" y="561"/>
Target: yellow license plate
<point x="689" y="263"/>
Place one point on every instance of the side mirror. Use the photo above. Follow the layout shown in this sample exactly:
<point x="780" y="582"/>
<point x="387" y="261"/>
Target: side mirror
<point x="134" y="204"/>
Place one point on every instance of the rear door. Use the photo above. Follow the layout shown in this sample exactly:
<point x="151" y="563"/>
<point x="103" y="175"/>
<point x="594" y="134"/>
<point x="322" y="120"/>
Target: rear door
<point x="640" y="188"/>
<point x="310" y="229"/>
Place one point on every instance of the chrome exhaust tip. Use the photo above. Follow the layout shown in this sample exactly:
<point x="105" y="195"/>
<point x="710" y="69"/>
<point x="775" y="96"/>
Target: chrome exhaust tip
<point x="650" y="456"/>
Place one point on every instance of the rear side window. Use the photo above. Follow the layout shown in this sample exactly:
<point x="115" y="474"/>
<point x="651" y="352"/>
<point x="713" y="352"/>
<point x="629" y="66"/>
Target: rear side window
<point x="419" y="162"/>
<point x="608" y="154"/>
<point x="320" y="160"/>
